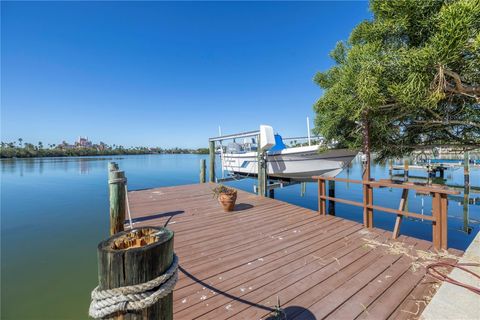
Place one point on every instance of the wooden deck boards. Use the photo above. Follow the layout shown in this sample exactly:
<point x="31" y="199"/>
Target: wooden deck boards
<point x="236" y="265"/>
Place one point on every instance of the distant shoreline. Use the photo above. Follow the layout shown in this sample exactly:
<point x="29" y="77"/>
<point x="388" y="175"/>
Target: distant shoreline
<point x="14" y="152"/>
<point x="95" y="155"/>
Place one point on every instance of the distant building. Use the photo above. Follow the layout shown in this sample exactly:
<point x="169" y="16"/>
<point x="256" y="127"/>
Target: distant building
<point x="83" y="142"/>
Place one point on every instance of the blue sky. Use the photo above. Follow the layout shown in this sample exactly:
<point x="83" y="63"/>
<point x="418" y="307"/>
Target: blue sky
<point x="164" y="73"/>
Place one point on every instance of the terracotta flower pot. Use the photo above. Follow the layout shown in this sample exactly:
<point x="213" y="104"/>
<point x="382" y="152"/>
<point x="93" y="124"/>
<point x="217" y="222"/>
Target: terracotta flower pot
<point x="227" y="201"/>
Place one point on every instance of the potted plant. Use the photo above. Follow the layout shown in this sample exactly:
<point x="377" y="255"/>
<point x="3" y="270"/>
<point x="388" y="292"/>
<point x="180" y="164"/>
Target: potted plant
<point x="226" y="196"/>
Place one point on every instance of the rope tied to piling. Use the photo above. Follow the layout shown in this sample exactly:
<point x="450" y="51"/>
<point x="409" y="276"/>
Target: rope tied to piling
<point x="117" y="180"/>
<point x="135" y="297"/>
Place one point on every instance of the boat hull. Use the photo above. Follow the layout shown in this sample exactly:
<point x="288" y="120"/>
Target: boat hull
<point x="299" y="164"/>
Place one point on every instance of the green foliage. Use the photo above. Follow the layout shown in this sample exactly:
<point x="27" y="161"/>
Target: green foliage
<point x="414" y="70"/>
<point x="29" y="150"/>
<point x="221" y="189"/>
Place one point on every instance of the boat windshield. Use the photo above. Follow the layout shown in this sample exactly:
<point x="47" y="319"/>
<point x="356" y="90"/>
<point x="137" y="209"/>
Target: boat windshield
<point x="250" y="145"/>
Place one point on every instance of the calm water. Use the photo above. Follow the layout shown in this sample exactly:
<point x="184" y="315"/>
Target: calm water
<point x="55" y="211"/>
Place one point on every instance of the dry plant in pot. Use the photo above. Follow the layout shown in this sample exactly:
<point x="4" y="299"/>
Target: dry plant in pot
<point x="226" y="196"/>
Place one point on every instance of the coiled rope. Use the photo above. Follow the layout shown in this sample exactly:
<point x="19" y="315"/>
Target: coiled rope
<point x="135" y="297"/>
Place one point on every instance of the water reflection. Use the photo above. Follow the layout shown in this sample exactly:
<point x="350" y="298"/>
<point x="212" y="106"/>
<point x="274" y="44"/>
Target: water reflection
<point x="83" y="165"/>
<point x="61" y="206"/>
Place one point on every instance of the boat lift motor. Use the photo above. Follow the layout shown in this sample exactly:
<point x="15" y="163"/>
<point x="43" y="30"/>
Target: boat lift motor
<point x="267" y="137"/>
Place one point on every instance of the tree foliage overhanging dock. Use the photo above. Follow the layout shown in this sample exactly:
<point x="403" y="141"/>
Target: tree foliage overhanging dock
<point x="406" y="79"/>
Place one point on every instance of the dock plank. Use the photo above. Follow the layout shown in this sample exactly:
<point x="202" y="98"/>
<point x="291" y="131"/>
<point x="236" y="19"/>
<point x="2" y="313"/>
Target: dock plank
<point x="235" y="265"/>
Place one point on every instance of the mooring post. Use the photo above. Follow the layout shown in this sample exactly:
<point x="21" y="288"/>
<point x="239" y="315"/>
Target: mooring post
<point x="203" y="166"/>
<point x="136" y="257"/>
<point x="261" y="170"/>
<point x="212" y="161"/>
<point x="116" y="183"/>
<point x="390" y="167"/>
<point x="271" y="191"/>
<point x="303" y="189"/>
<point x="466" y="169"/>
<point x="331" y="193"/>
<point x="466" y="190"/>
<point x="405" y="169"/>
<point x="466" y="218"/>
<point x="112" y="166"/>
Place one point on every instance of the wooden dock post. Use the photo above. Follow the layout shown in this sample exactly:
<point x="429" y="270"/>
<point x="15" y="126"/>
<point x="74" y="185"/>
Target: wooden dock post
<point x="405" y="170"/>
<point x="322" y="203"/>
<point x="439" y="227"/>
<point x="466" y="218"/>
<point x="211" y="175"/>
<point x="367" y="203"/>
<point x="466" y="169"/>
<point x="466" y="190"/>
<point x="303" y="189"/>
<point x="135" y="257"/>
<point x="203" y="168"/>
<point x="331" y="193"/>
<point x="271" y="191"/>
<point x="390" y="167"/>
<point x="261" y="170"/>
<point x="112" y="166"/>
<point x="116" y="183"/>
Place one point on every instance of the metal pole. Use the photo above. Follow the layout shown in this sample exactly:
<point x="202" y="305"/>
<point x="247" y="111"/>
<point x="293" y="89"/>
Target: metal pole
<point x="308" y="130"/>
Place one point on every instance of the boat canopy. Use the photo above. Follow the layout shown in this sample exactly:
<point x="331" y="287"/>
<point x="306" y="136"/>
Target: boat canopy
<point x="279" y="145"/>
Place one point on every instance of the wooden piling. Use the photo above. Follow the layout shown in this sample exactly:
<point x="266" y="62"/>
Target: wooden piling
<point x="331" y="193"/>
<point x="303" y="189"/>
<point x="466" y="169"/>
<point x="271" y="192"/>
<point x="466" y="218"/>
<point x="112" y="166"/>
<point x="135" y="257"/>
<point x="466" y="190"/>
<point x="116" y="183"/>
<point x="322" y="203"/>
<point x="261" y="170"/>
<point x="367" y="203"/>
<point x="212" y="161"/>
<point x="439" y="227"/>
<point x="405" y="169"/>
<point x="390" y="167"/>
<point x="203" y="168"/>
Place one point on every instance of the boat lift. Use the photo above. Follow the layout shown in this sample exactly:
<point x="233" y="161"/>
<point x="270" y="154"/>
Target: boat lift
<point x="261" y="157"/>
<point x="265" y="185"/>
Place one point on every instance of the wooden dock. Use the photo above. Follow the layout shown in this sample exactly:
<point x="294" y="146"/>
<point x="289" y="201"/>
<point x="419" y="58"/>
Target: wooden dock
<point x="238" y="265"/>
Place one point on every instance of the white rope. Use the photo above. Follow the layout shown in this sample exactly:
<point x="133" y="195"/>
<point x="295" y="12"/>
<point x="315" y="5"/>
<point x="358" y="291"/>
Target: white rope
<point x="128" y="207"/>
<point x="136" y="297"/>
<point x="117" y="180"/>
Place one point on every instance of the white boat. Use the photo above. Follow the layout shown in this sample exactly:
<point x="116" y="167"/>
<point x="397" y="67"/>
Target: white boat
<point x="294" y="163"/>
